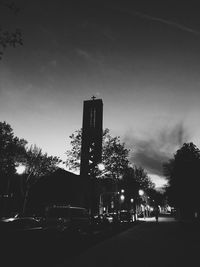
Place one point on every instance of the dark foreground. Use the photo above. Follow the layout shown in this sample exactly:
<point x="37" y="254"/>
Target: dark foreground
<point x="51" y="248"/>
<point x="167" y="243"/>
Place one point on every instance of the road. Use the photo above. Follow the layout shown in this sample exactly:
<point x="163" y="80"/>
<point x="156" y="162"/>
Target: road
<point x="166" y="243"/>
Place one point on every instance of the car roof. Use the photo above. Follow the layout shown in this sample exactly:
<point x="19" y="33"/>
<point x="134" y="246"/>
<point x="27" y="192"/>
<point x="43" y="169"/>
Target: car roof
<point x="68" y="207"/>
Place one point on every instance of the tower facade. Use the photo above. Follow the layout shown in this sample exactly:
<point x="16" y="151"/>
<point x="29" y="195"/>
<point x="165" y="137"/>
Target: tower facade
<point x="91" y="147"/>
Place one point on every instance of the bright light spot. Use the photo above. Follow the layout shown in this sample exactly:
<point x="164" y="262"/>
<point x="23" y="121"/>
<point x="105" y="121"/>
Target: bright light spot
<point x="132" y="200"/>
<point x="101" y="166"/>
<point x="122" y="197"/>
<point x="122" y="191"/>
<point x="20" y="169"/>
<point x="141" y="192"/>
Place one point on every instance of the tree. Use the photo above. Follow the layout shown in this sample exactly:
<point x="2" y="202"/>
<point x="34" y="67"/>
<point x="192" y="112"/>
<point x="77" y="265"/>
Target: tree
<point x="135" y="179"/>
<point x="183" y="173"/>
<point x="74" y="154"/>
<point x="37" y="165"/>
<point x="9" y="38"/>
<point x="12" y="150"/>
<point x="114" y="155"/>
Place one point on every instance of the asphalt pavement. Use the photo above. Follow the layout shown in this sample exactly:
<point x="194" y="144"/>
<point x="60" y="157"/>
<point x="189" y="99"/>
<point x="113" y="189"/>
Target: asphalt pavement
<point x="166" y="243"/>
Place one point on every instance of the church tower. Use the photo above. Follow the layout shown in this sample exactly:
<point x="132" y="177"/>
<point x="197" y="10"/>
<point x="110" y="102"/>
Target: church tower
<point x="91" y="147"/>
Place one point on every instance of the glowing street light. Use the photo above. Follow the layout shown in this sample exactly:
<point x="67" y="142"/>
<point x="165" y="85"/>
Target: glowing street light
<point x="20" y="169"/>
<point x="101" y="166"/>
<point x="132" y="200"/>
<point x="122" y="191"/>
<point x="141" y="192"/>
<point x="122" y="197"/>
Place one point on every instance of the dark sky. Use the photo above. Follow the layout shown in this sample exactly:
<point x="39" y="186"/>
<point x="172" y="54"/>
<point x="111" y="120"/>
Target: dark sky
<point x="141" y="57"/>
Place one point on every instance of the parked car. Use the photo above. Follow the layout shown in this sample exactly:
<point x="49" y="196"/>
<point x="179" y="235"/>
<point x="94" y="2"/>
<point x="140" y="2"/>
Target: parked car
<point x="115" y="217"/>
<point x="125" y="216"/>
<point x="108" y="218"/>
<point x="67" y="218"/>
<point x="20" y="223"/>
<point x="21" y="229"/>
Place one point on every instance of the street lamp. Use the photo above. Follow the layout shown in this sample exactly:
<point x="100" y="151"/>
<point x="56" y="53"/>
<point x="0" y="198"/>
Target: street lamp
<point x="20" y="169"/>
<point x="122" y="197"/>
<point x="101" y="166"/>
<point x="141" y="192"/>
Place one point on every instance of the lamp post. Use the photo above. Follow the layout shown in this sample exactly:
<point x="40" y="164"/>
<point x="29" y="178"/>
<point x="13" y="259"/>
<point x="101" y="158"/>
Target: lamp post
<point x="20" y="169"/>
<point x="122" y="198"/>
<point x="141" y="192"/>
<point x="133" y="205"/>
<point x="101" y="167"/>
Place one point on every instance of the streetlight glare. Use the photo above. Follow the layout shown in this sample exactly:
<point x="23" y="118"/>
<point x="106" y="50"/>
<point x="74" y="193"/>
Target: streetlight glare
<point x="122" y="197"/>
<point x="141" y="192"/>
<point x="101" y="167"/>
<point x="20" y="169"/>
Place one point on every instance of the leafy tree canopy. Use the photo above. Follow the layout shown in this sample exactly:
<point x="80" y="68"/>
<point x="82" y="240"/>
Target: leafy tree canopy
<point x="39" y="164"/>
<point x="183" y="172"/>
<point x="9" y="37"/>
<point x="12" y="149"/>
<point x="135" y="179"/>
<point x="114" y="155"/>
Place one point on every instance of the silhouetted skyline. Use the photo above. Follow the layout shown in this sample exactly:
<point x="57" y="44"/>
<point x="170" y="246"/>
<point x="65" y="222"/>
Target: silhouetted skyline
<point x="141" y="58"/>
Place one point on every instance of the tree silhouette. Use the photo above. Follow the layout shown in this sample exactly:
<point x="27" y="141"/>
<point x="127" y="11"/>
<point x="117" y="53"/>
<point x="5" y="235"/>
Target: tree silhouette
<point x="39" y="164"/>
<point x="13" y="152"/>
<point x="9" y="37"/>
<point x="114" y="155"/>
<point x="12" y="149"/>
<point x="183" y="173"/>
<point x="134" y="180"/>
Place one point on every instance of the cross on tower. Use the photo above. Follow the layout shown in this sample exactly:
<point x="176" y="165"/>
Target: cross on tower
<point x="93" y="97"/>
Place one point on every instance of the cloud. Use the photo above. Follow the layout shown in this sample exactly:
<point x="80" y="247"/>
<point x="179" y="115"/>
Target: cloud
<point x="151" y="152"/>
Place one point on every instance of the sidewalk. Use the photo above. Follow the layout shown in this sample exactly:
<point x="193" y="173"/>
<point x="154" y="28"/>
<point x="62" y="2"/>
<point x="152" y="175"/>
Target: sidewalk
<point x="167" y="244"/>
